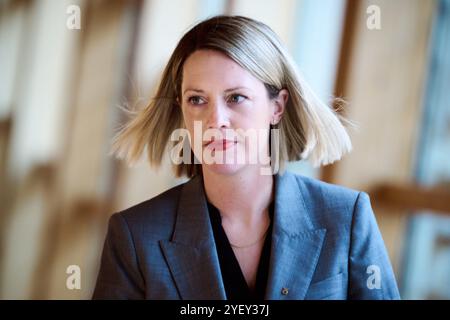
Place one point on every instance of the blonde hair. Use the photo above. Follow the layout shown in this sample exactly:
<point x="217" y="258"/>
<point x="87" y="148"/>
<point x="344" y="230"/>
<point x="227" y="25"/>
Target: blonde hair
<point x="309" y="129"/>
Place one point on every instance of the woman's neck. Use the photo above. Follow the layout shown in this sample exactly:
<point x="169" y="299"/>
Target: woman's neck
<point x="243" y="197"/>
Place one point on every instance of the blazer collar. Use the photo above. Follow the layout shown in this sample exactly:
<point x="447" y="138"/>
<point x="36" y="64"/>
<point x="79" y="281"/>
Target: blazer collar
<point x="191" y="254"/>
<point x="296" y="243"/>
<point x="192" y="257"/>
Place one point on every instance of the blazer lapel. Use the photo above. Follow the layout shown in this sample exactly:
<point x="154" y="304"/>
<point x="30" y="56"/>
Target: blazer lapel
<point x="192" y="257"/>
<point x="296" y="245"/>
<point x="191" y="253"/>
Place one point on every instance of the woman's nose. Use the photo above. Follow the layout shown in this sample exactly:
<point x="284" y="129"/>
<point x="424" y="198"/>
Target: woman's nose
<point x="218" y="116"/>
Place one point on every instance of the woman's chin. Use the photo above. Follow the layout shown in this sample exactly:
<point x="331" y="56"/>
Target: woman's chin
<point x="223" y="169"/>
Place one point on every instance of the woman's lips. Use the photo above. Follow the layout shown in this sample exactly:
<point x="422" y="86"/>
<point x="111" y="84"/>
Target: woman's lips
<point x="220" y="144"/>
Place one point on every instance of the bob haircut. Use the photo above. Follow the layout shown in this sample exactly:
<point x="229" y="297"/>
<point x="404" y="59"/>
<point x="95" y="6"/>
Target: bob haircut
<point x="309" y="129"/>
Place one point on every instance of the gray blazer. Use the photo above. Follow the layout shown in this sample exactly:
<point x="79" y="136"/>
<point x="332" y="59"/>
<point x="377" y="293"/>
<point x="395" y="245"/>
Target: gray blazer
<point x="325" y="245"/>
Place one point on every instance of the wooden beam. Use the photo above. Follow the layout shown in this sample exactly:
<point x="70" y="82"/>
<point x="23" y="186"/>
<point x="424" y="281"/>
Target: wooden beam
<point x="412" y="197"/>
<point x="344" y="65"/>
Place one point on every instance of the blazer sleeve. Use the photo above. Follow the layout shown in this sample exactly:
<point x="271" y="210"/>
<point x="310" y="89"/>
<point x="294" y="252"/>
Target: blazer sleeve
<point x="119" y="276"/>
<point x="370" y="271"/>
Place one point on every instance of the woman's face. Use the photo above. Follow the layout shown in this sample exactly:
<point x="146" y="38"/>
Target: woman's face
<point x="230" y="107"/>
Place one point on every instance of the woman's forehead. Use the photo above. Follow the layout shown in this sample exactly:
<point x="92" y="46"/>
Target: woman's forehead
<point x="205" y="68"/>
<point x="209" y="62"/>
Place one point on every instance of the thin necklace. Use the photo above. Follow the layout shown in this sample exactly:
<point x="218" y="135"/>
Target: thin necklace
<point x="253" y="243"/>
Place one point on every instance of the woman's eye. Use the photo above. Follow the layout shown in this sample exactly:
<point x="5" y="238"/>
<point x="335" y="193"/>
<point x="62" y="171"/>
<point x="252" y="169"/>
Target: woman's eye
<point x="196" y="100"/>
<point x="236" y="98"/>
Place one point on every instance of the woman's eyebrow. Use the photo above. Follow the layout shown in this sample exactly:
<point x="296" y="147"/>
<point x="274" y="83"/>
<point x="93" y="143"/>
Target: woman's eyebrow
<point x="201" y="91"/>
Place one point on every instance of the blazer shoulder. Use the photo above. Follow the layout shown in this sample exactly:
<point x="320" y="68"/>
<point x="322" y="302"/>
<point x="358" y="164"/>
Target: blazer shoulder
<point x="153" y="216"/>
<point x="330" y="203"/>
<point x="318" y="188"/>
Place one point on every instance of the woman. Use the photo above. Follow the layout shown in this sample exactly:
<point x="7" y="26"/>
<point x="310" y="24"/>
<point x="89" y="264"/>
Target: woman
<point x="241" y="227"/>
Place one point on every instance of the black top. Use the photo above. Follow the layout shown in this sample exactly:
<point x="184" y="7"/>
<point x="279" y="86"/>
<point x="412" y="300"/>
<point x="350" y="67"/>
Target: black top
<point x="236" y="287"/>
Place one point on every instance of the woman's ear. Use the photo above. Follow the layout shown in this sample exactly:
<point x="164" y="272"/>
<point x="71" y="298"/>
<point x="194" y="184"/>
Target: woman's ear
<point x="280" y="103"/>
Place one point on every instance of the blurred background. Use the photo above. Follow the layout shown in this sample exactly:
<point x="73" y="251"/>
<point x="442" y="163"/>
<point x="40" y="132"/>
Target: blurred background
<point x="68" y="66"/>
